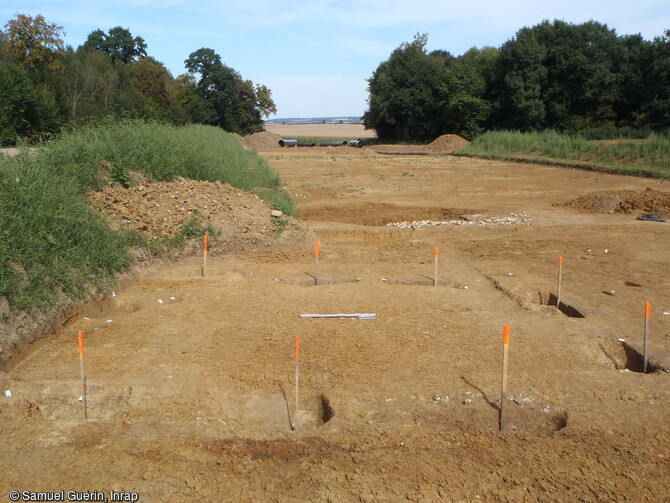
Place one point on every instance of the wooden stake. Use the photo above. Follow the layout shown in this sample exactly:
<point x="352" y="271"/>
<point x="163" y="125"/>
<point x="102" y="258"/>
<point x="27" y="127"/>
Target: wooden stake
<point x="204" y="255"/>
<point x="81" y="369"/>
<point x="560" y="274"/>
<point x="503" y="388"/>
<point x="316" y="256"/>
<point x="297" y="375"/>
<point x="647" y="311"/>
<point x="437" y="254"/>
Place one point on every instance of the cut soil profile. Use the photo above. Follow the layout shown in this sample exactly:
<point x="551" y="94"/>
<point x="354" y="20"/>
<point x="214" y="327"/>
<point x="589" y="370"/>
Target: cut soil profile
<point x="190" y="379"/>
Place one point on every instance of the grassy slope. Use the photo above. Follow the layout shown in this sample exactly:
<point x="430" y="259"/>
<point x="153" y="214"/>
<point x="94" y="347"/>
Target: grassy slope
<point x="649" y="158"/>
<point x="54" y="248"/>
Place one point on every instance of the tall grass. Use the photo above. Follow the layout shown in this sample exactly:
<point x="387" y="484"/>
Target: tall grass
<point x="54" y="248"/>
<point x="163" y="152"/>
<point x="650" y="157"/>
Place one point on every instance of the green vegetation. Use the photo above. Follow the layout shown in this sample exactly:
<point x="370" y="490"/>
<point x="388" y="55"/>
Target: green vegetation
<point x="54" y="248"/>
<point x="572" y="78"/>
<point x="650" y="157"/>
<point x="45" y="86"/>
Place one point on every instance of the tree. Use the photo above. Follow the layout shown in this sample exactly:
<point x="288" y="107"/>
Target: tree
<point x="227" y="100"/>
<point x="149" y="86"/>
<point x="119" y="43"/>
<point x="404" y="94"/>
<point x="17" y="100"/>
<point x="520" y="83"/>
<point x="264" y="101"/>
<point x="658" y="109"/>
<point x="90" y="81"/>
<point x="464" y="108"/>
<point x="37" y="47"/>
<point x="34" y="45"/>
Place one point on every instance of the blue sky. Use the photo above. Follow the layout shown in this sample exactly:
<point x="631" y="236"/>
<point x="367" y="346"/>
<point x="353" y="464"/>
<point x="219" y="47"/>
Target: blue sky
<point x="315" y="56"/>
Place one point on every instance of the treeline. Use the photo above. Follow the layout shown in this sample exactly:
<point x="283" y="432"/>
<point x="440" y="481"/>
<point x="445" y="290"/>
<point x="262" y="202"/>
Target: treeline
<point x="45" y="85"/>
<point x="555" y="75"/>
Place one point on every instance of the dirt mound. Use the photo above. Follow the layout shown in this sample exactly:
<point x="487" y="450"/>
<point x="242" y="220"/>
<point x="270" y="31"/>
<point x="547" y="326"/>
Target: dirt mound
<point x="623" y="201"/>
<point x="263" y="139"/>
<point x="448" y="143"/>
<point x="163" y="208"/>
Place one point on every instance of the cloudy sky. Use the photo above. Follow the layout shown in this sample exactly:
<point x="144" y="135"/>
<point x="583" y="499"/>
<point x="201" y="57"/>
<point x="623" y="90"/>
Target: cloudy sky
<point x="315" y="56"/>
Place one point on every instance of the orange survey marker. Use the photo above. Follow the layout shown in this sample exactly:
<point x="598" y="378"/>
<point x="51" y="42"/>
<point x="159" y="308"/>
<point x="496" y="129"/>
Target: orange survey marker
<point x="437" y="252"/>
<point x="297" y="348"/>
<point x="560" y="260"/>
<point x="503" y="386"/>
<point x="81" y="343"/>
<point x="204" y="247"/>
<point x="647" y="312"/>
<point x="316" y="248"/>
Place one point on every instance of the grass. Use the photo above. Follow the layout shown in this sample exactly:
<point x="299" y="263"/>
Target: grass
<point x="54" y="248"/>
<point x="650" y="157"/>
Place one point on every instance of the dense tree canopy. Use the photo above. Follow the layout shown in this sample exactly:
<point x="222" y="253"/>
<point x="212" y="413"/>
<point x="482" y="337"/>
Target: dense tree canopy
<point x="228" y="101"/>
<point x="44" y="85"/>
<point x="405" y="92"/>
<point x="17" y="102"/>
<point x="118" y="43"/>
<point x="554" y="75"/>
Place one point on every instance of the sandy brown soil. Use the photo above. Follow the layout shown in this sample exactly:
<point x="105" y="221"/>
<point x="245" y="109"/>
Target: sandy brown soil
<point x="345" y="131"/>
<point x="190" y="379"/>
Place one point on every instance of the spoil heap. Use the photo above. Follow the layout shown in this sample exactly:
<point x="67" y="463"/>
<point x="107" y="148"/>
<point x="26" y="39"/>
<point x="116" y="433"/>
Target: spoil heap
<point x="161" y="209"/>
<point x="447" y="143"/>
<point x="623" y="201"/>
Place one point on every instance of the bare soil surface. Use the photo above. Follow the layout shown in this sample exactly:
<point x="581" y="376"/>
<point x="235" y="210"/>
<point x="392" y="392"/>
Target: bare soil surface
<point x="345" y="131"/>
<point x="623" y="201"/>
<point x="191" y="380"/>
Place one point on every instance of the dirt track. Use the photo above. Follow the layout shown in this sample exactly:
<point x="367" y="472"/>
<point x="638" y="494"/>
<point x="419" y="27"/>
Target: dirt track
<point x="194" y="397"/>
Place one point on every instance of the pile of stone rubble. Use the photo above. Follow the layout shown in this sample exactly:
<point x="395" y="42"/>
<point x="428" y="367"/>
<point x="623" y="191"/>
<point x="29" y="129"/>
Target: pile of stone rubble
<point x="468" y="220"/>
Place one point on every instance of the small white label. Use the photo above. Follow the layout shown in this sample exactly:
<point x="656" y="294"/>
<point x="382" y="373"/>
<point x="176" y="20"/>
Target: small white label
<point x="160" y="301"/>
<point x="8" y="393"/>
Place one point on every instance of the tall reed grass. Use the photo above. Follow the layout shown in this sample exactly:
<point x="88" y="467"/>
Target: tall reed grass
<point x="649" y="157"/>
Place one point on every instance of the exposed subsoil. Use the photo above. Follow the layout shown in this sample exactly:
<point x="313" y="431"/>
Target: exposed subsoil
<point x="623" y="201"/>
<point x="191" y="379"/>
<point x="161" y="209"/>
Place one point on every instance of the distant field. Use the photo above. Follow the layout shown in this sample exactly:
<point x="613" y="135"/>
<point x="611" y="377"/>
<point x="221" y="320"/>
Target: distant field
<point x="344" y="131"/>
